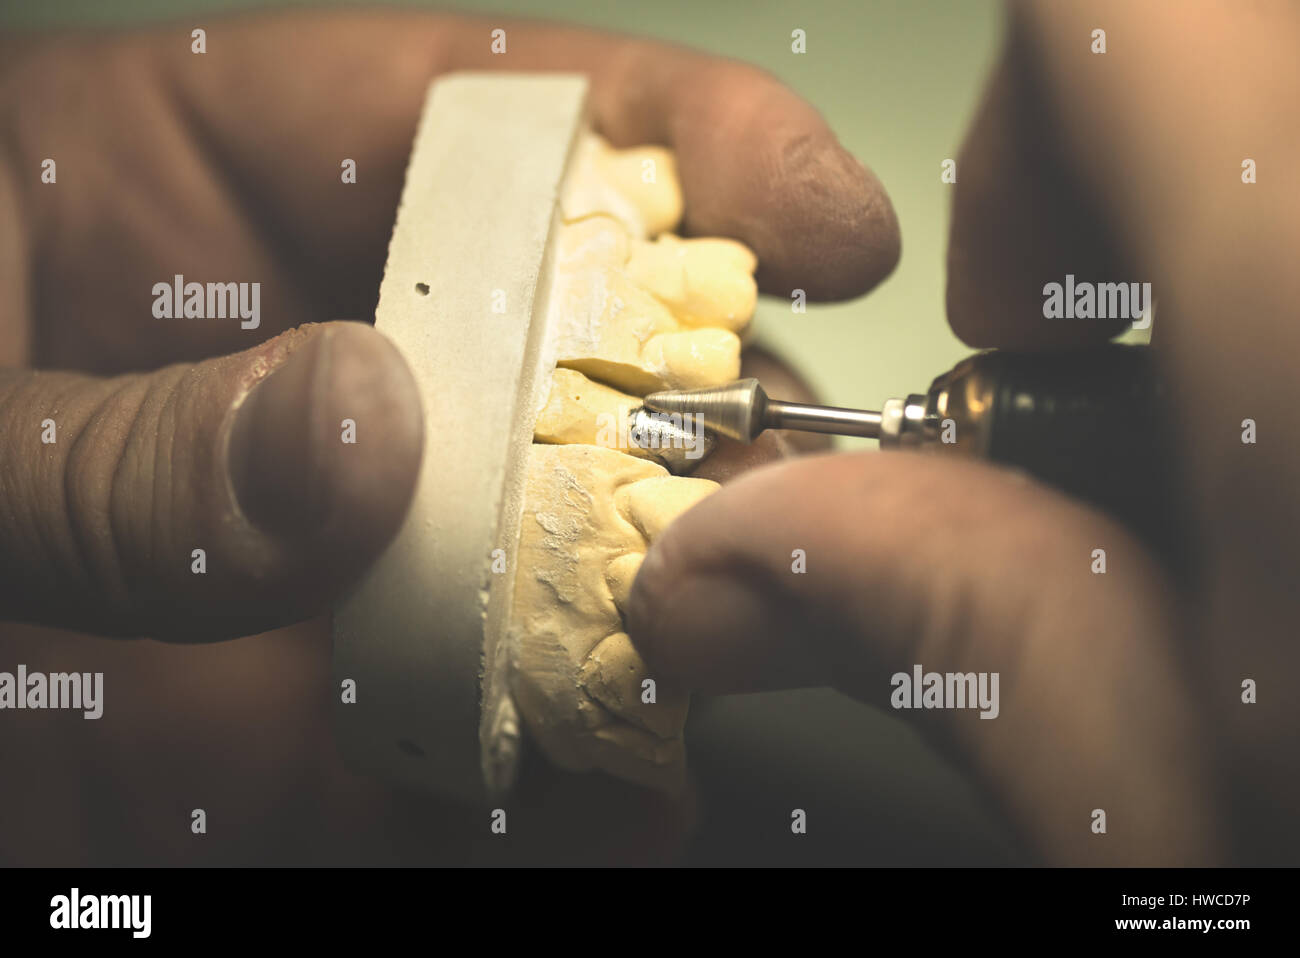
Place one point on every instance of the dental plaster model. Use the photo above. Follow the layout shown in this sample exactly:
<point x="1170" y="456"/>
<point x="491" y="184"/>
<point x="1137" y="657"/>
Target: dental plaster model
<point x="535" y="294"/>
<point x="626" y="313"/>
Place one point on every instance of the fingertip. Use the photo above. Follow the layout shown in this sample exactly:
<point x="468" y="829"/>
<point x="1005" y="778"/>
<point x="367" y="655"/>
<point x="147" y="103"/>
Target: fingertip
<point x="760" y="164"/>
<point x="731" y="458"/>
<point x="643" y="610"/>
<point x="832" y="230"/>
<point x="708" y="617"/>
<point x="374" y="430"/>
<point x="326" y="449"/>
<point x="1021" y="221"/>
<point x="992" y="305"/>
<point x="717" y="632"/>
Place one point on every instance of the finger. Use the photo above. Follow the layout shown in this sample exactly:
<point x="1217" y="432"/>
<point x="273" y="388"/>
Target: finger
<point x="730" y="458"/>
<point x="959" y="568"/>
<point x="1220" y="241"/>
<point x="248" y="140"/>
<point x="757" y="162"/>
<point x="1021" y="220"/>
<point x="209" y="500"/>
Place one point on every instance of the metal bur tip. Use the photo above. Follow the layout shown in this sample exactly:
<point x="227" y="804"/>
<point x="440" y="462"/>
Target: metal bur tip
<point x="679" y="449"/>
<point x="735" y="410"/>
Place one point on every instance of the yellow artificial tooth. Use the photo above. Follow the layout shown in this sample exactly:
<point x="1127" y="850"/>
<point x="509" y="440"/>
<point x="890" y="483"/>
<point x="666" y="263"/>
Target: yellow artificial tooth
<point x="725" y="253"/>
<point x="705" y="282"/>
<point x="620" y="574"/>
<point x="606" y="322"/>
<point x="659" y="267"/>
<point x="593" y="242"/>
<point x="645" y="176"/>
<point x="694" y="358"/>
<point x="653" y="503"/>
<point x="579" y="410"/>
<point x="614" y="675"/>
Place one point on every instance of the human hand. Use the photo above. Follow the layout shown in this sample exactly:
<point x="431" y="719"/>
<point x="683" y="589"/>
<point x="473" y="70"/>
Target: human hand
<point x="1121" y="691"/>
<point x="225" y="167"/>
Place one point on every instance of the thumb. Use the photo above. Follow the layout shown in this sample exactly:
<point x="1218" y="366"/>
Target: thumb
<point x="205" y="500"/>
<point x="960" y="568"/>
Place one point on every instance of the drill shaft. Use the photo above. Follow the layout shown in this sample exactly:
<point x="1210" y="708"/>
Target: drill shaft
<point x="741" y="410"/>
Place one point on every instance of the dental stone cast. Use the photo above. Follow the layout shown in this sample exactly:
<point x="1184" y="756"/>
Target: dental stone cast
<point x="628" y="314"/>
<point x="533" y="286"/>
<point x="576" y="678"/>
<point x="642" y="315"/>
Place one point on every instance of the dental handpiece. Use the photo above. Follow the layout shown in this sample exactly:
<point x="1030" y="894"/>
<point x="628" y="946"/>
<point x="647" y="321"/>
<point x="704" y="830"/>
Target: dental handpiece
<point x="1091" y="422"/>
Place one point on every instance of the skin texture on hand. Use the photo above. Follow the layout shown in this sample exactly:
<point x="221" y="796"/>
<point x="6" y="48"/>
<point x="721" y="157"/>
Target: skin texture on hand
<point x="1122" y="691"/>
<point x="239" y="457"/>
<point x="225" y="167"/>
